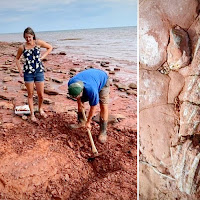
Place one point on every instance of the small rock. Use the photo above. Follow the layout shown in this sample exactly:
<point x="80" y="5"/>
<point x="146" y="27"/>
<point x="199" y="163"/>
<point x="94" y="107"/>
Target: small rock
<point x="47" y="101"/>
<point x="115" y="80"/>
<point x="5" y="88"/>
<point x="23" y="87"/>
<point x="48" y="69"/>
<point x="111" y="72"/>
<point x="57" y="80"/>
<point x="133" y="86"/>
<point x="131" y="92"/>
<point x="15" y="70"/>
<point x="7" y="79"/>
<point x="66" y="177"/>
<point x="76" y="64"/>
<point x="24" y="117"/>
<point x="104" y="64"/>
<point x="73" y="70"/>
<point x="116" y="69"/>
<point x="121" y="87"/>
<point x="50" y="91"/>
<point x="62" y="53"/>
<point x="70" y="144"/>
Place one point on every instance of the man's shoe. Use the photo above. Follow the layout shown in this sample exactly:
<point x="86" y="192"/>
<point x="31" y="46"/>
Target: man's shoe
<point x="103" y="133"/>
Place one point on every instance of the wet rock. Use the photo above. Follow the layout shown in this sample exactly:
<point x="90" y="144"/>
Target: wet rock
<point x="14" y="75"/>
<point x="114" y="118"/>
<point x="57" y="80"/>
<point x="8" y="62"/>
<point x="50" y="91"/>
<point x="47" y="101"/>
<point x="7" y="79"/>
<point x="111" y="72"/>
<point x="132" y="86"/>
<point x="73" y="70"/>
<point x="104" y="64"/>
<point x="121" y="87"/>
<point x="76" y="63"/>
<point x="15" y="70"/>
<point x="5" y="97"/>
<point x="48" y="69"/>
<point x="4" y="67"/>
<point x="117" y="69"/>
<point x="131" y="92"/>
<point x="62" y="53"/>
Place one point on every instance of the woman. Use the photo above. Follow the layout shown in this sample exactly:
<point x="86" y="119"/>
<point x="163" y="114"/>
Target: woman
<point x="33" y="70"/>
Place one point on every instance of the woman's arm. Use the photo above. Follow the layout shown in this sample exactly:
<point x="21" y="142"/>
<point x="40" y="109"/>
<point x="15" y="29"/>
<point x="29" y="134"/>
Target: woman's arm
<point x="45" y="45"/>
<point x="19" y="53"/>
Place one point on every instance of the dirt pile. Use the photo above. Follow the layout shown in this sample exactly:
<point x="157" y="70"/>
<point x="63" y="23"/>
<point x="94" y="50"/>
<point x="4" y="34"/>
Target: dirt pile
<point x="51" y="161"/>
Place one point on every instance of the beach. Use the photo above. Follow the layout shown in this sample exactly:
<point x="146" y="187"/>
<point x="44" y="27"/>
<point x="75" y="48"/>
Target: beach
<point x="48" y="160"/>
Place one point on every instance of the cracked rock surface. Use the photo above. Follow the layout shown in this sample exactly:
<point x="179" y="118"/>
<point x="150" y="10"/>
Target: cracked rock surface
<point x="169" y="99"/>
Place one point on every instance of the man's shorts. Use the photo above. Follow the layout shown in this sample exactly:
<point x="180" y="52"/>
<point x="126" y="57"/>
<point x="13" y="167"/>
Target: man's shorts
<point x="34" y="77"/>
<point x="104" y="93"/>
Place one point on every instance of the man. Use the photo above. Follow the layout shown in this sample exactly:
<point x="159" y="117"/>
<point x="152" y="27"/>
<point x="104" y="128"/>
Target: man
<point x="91" y="85"/>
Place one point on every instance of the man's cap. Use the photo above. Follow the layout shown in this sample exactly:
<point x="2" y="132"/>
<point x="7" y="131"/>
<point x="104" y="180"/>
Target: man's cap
<point x="75" y="89"/>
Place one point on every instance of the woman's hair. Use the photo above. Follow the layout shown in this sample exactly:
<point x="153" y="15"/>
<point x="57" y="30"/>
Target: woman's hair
<point x="29" y="30"/>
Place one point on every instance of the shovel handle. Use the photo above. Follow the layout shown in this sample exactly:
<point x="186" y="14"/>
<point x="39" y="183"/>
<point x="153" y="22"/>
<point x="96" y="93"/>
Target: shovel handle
<point x="94" y="150"/>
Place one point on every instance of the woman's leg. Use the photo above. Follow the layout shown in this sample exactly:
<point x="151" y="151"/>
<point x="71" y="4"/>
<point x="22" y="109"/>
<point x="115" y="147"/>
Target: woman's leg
<point x="30" y="90"/>
<point x="40" y="93"/>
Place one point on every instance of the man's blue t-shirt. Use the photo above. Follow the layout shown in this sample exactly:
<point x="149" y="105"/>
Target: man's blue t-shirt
<point x="94" y="80"/>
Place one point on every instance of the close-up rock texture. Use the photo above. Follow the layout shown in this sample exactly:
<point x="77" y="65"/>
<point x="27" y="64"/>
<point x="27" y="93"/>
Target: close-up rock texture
<point x="169" y="107"/>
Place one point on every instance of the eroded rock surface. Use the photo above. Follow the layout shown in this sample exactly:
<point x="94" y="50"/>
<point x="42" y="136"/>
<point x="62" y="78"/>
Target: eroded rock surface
<point x="169" y="99"/>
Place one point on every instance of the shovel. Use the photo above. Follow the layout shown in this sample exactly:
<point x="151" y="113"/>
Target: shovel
<point x="94" y="150"/>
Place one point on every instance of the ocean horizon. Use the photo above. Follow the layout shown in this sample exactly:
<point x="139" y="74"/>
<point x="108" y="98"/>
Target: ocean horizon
<point x="118" y="45"/>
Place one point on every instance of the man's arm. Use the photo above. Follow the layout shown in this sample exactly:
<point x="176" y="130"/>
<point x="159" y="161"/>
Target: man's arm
<point x="91" y="114"/>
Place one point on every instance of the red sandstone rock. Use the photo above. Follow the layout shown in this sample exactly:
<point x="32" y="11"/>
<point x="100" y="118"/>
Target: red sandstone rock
<point x="169" y="141"/>
<point x="178" y="50"/>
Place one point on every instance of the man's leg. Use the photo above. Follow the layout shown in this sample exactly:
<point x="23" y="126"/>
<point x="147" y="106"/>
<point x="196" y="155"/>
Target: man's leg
<point x="103" y="122"/>
<point x="104" y="100"/>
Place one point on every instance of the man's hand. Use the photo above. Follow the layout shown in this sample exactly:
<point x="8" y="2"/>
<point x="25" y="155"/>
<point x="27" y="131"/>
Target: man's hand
<point x="88" y="125"/>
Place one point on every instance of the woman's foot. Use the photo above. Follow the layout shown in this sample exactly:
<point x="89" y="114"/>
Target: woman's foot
<point x="33" y="118"/>
<point x="43" y="114"/>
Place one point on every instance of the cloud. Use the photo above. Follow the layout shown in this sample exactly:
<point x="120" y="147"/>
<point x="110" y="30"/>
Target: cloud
<point x="24" y="5"/>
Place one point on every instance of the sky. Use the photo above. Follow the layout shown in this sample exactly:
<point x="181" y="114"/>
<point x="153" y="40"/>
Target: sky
<point x="52" y="15"/>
